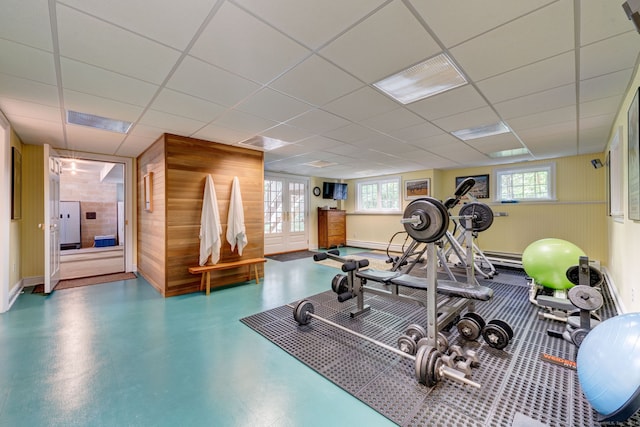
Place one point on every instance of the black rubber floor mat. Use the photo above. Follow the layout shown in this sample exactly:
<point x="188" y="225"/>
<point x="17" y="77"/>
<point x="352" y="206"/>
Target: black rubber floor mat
<point x="515" y="381"/>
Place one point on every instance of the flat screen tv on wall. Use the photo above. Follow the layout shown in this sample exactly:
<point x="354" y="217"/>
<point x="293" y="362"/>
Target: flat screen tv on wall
<point x="334" y="190"/>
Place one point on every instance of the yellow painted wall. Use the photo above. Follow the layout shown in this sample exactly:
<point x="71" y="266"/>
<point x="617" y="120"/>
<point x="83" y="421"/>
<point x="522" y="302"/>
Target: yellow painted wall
<point x="578" y="215"/>
<point x="32" y="249"/>
<point x="14" y="233"/>
<point x="624" y="235"/>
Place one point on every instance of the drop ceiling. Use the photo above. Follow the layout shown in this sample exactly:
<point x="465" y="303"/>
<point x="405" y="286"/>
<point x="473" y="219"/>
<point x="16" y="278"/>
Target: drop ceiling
<point x="303" y="71"/>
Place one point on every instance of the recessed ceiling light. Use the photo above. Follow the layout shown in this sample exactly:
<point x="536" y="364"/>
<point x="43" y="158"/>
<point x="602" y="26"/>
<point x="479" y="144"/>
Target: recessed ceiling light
<point x="264" y="142"/>
<point x="97" y="122"/>
<point x="428" y="78"/>
<point x="509" y="153"/>
<point x="320" y="164"/>
<point x="481" y="131"/>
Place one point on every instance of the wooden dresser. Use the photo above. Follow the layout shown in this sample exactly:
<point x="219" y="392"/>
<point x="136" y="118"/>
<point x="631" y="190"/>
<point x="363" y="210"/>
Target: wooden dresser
<point x="331" y="228"/>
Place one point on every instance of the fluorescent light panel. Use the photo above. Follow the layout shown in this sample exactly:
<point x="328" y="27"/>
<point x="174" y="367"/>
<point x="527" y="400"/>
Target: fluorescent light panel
<point x="428" y="78"/>
<point x="264" y="142"/>
<point x="320" y="164"/>
<point x="481" y="131"/>
<point x="97" y="122"/>
<point x="509" y="153"/>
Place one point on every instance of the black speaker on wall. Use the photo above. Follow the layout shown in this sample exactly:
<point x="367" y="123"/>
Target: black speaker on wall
<point x="632" y="9"/>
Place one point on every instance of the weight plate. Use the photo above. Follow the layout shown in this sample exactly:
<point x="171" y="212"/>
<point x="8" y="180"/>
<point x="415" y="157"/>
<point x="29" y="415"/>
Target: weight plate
<point x="481" y="213"/>
<point x="595" y="276"/>
<point x="504" y="325"/>
<point x="442" y="343"/>
<point x="301" y="312"/>
<point x="407" y="344"/>
<point x="422" y="359"/>
<point x="585" y="297"/>
<point x="495" y="336"/>
<point x="469" y="329"/>
<point x="434" y="220"/>
<point x="433" y="368"/>
<point x="477" y="318"/>
<point x="416" y="332"/>
<point x="339" y="284"/>
<point x="578" y="335"/>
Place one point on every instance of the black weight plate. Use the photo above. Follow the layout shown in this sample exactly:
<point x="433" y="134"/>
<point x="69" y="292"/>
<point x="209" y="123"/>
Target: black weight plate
<point x="407" y="344"/>
<point x="434" y="220"/>
<point x="422" y="359"/>
<point x="504" y="325"/>
<point x="301" y="312"/>
<point x="477" y="318"/>
<point x="585" y="297"/>
<point x="481" y="213"/>
<point x="433" y="367"/>
<point x="495" y="336"/>
<point x="339" y="284"/>
<point x="578" y="335"/>
<point x="595" y="276"/>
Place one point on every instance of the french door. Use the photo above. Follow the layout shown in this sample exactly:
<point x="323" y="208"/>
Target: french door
<point x="286" y="214"/>
<point x="51" y="226"/>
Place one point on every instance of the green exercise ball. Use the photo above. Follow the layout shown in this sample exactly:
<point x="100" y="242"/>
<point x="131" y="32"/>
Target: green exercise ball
<point x="547" y="261"/>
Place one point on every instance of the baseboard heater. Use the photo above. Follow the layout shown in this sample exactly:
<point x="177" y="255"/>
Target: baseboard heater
<point x="504" y="259"/>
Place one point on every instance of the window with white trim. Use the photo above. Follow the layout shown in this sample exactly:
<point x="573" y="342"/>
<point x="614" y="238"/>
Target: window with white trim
<point x="528" y="183"/>
<point x="379" y="196"/>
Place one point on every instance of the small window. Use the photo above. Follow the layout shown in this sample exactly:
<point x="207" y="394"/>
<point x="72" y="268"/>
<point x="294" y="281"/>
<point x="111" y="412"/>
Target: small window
<point x="379" y="196"/>
<point x="526" y="183"/>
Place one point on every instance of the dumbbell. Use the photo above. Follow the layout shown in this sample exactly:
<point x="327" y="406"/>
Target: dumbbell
<point x="408" y="342"/>
<point x="429" y="364"/>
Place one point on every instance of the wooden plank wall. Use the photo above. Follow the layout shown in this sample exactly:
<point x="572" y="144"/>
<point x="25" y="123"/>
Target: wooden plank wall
<point x="188" y="161"/>
<point x="151" y="225"/>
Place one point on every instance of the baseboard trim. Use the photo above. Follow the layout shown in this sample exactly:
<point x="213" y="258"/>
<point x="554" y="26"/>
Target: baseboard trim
<point x="374" y="245"/>
<point x="14" y="293"/>
<point x="33" y="280"/>
<point x="613" y="290"/>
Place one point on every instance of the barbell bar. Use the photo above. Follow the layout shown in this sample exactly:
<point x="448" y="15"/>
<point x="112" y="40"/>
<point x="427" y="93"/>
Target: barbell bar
<point x="427" y="366"/>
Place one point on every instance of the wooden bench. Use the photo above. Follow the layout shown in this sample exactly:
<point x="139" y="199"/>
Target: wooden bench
<point x="205" y="270"/>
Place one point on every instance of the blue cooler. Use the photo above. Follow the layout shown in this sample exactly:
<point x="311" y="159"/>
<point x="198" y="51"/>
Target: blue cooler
<point x="103" y="241"/>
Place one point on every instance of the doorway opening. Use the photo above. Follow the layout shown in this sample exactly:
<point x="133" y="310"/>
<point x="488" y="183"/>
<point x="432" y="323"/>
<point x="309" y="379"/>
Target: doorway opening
<point x="92" y="218"/>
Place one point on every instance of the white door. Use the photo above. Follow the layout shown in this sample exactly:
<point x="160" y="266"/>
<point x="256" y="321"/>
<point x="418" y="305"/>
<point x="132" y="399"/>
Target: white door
<point x="51" y="228"/>
<point x="286" y="214"/>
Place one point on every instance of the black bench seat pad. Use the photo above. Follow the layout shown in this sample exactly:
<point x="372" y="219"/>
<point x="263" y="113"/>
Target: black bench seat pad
<point x="445" y="287"/>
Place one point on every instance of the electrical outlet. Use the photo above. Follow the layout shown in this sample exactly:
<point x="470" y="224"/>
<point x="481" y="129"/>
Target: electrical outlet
<point x="14" y="267"/>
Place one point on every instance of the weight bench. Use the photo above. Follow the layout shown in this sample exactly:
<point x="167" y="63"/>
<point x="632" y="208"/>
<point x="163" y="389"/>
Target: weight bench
<point x="205" y="270"/>
<point x="444" y="287"/>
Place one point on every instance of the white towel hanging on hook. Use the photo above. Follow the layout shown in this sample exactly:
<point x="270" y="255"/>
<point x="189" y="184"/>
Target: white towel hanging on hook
<point x="210" y="227"/>
<point x="236" y="230"/>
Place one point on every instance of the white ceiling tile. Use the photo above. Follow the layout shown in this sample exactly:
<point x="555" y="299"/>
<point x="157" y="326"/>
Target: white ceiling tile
<point x="328" y="18"/>
<point x="273" y="105"/>
<point x="418" y="131"/>
<point x="318" y="121"/>
<point x="143" y="131"/>
<point x="441" y="140"/>
<point x="317" y="142"/>
<point x="546" y="74"/>
<point x="518" y="42"/>
<point x="604" y="86"/>
<point x="468" y="119"/>
<point x="351" y="133"/>
<point x="548" y="100"/>
<point x="221" y="134"/>
<point x="610" y="55"/>
<point x="25" y="109"/>
<point x="170" y="123"/>
<point x="180" y="104"/>
<point x="598" y="21"/>
<point x="203" y="80"/>
<point x="492" y="144"/>
<point x="316" y="81"/>
<point x="82" y="138"/>
<point x="84" y="103"/>
<point x="361" y="104"/>
<point x="27" y="62"/>
<point x="543" y="118"/>
<point x="172" y="23"/>
<point x="105" y="84"/>
<point x="454" y="101"/>
<point x="603" y="106"/>
<point x="26" y="22"/>
<point x="458" y="20"/>
<point x="82" y="37"/>
<point x="371" y="54"/>
<point x="133" y="146"/>
<point x="38" y="132"/>
<point x="235" y="119"/>
<point x="28" y="90"/>
<point x="397" y="119"/>
<point x="238" y="42"/>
